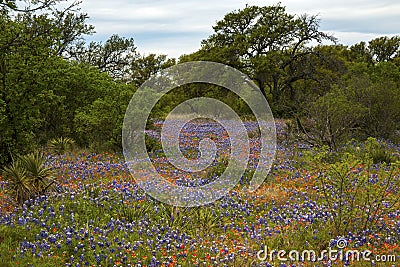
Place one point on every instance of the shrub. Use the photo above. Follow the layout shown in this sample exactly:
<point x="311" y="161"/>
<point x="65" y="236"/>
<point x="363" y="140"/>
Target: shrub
<point x="358" y="194"/>
<point x="329" y="120"/>
<point x="152" y="144"/>
<point x="378" y="152"/>
<point x="28" y="176"/>
<point x="18" y="183"/>
<point x="61" y="145"/>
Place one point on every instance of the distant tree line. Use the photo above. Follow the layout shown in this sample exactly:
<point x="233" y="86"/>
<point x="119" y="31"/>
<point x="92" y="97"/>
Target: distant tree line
<point x="54" y="84"/>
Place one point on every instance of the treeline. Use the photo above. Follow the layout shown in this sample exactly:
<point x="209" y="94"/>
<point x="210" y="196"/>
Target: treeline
<point x="331" y="93"/>
<point x="53" y="84"/>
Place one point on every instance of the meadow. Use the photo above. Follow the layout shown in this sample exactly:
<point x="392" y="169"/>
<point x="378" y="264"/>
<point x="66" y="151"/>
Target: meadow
<point x="311" y="199"/>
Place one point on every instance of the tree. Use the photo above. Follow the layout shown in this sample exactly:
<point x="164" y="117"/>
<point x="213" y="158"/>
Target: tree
<point x="268" y="44"/>
<point x="363" y="103"/>
<point x="27" y="6"/>
<point x="36" y="27"/>
<point x="99" y="124"/>
<point x="31" y="43"/>
<point x="144" y="67"/>
<point x="377" y="88"/>
<point x="384" y="48"/>
<point x="330" y="119"/>
<point x="360" y="53"/>
<point x="115" y="57"/>
<point x="381" y="49"/>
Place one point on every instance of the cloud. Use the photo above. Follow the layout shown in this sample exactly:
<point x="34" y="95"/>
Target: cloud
<point x="176" y="27"/>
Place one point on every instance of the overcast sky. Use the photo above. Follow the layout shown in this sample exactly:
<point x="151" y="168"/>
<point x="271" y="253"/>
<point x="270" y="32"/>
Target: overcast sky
<point x="176" y="27"/>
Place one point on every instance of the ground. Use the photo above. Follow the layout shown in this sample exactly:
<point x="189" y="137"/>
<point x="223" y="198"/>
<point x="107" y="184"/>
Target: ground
<point x="100" y="217"/>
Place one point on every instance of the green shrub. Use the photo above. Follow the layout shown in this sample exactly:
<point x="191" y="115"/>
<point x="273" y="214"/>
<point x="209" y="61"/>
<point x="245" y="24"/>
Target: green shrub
<point x="207" y="219"/>
<point x="18" y="185"/>
<point x="152" y="144"/>
<point x="378" y="152"/>
<point x="61" y="145"/>
<point x="28" y="176"/>
<point x="358" y="194"/>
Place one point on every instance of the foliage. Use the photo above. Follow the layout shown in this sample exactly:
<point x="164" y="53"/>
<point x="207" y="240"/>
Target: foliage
<point x="101" y="217"/>
<point x="378" y="152"/>
<point x="54" y="84"/>
<point x="385" y="48"/>
<point x="61" y="145"/>
<point x="114" y="57"/>
<point x="377" y="89"/>
<point x="152" y="144"/>
<point x="28" y="176"/>
<point x="208" y="219"/>
<point x="143" y="67"/>
<point x="330" y="120"/>
<point x="99" y="124"/>
<point x="366" y="105"/>
<point x="27" y="6"/>
<point x="35" y="81"/>
<point x="266" y="43"/>
<point x="358" y="193"/>
<point x="19" y="184"/>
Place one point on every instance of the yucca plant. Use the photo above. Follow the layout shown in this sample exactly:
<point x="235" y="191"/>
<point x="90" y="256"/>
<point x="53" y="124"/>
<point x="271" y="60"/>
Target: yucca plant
<point x="133" y="211"/>
<point x="176" y="217"/>
<point x="61" y="145"/>
<point x="18" y="182"/>
<point x="39" y="175"/>
<point x="207" y="219"/>
<point x="28" y="176"/>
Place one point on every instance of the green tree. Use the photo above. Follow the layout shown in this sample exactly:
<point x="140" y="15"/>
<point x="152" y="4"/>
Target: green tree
<point x="331" y="64"/>
<point x="114" y="57"/>
<point x="27" y="6"/>
<point x="377" y="88"/>
<point x="360" y="53"/>
<point x="331" y="119"/>
<point x="31" y="43"/>
<point x="268" y="44"/>
<point x="144" y="67"/>
<point x="99" y="124"/>
<point x="384" y="48"/>
<point x="381" y="49"/>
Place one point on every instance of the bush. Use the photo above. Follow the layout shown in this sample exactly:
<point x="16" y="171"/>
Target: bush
<point x="330" y="120"/>
<point x="358" y="193"/>
<point x="370" y="150"/>
<point x="61" y="145"/>
<point x="378" y="152"/>
<point x="28" y="176"/>
<point x="18" y="182"/>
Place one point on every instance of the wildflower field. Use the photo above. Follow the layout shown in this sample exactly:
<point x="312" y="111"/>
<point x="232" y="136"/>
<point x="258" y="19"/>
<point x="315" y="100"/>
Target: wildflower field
<point x="98" y="216"/>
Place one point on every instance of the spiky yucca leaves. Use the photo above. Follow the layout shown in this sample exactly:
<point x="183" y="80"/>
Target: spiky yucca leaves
<point x="40" y="176"/>
<point x="207" y="219"/>
<point x="19" y="184"/>
<point x="28" y="176"/>
<point x="61" y="145"/>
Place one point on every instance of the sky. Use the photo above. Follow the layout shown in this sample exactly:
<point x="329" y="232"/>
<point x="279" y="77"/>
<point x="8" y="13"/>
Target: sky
<point x="177" y="27"/>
